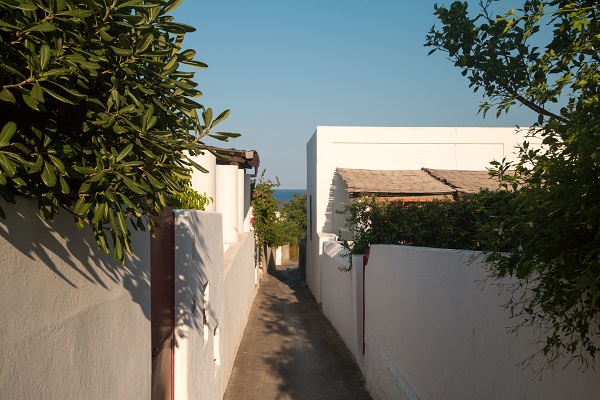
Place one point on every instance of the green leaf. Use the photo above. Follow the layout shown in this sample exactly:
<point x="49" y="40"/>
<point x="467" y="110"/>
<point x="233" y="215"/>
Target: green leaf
<point x="64" y="186"/>
<point x="57" y="163"/>
<point x="79" y="206"/>
<point x="220" y="118"/>
<point x="99" y="210"/>
<point x="31" y="102"/>
<point x="77" y="13"/>
<point x="171" y="65"/>
<point x="127" y="201"/>
<point x="84" y="170"/>
<point x="37" y="92"/>
<point x="43" y="27"/>
<point x="124" y="42"/>
<point x="122" y="222"/>
<point x="187" y="55"/>
<point x="6" y="95"/>
<point x="229" y="134"/>
<point x="132" y="185"/>
<point x="125" y="152"/>
<point x="45" y="54"/>
<point x="172" y="5"/>
<point x="97" y="177"/>
<point x="19" y="5"/>
<point x="105" y="35"/>
<point x="193" y="63"/>
<point x="154" y="182"/>
<point x="49" y="175"/>
<point x="207" y="117"/>
<point x="8" y="131"/>
<point x="7" y="165"/>
<point x="58" y="97"/>
<point x="4" y="66"/>
<point x="122" y="52"/>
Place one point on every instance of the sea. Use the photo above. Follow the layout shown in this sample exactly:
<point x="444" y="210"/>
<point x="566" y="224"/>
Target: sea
<point x="283" y="195"/>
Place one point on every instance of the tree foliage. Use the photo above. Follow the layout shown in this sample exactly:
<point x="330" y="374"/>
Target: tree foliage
<point x="97" y="114"/>
<point x="461" y="223"/>
<point x="275" y="226"/>
<point x="292" y="221"/>
<point x="543" y="56"/>
<point x="264" y="212"/>
<point x="293" y="212"/>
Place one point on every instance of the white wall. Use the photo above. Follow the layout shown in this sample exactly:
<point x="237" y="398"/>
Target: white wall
<point x="314" y="267"/>
<point x="203" y="359"/>
<point x="342" y="295"/>
<point x="74" y="324"/>
<point x="205" y="183"/>
<point x="226" y="200"/>
<point x="432" y="332"/>
<point x="241" y="286"/>
<point x="393" y="148"/>
<point x="198" y="290"/>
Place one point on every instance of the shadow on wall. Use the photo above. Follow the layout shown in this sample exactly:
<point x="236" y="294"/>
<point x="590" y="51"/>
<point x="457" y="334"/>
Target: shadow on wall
<point x="338" y="198"/>
<point x="198" y="259"/>
<point x="311" y="361"/>
<point x="63" y="248"/>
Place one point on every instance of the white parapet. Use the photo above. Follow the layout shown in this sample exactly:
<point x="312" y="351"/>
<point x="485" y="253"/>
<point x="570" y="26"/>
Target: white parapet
<point x="247" y="206"/>
<point x="226" y="200"/>
<point x="240" y="204"/>
<point x="205" y="183"/>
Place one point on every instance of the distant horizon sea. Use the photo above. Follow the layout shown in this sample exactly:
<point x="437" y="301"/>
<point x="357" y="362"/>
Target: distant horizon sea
<point x="283" y="195"/>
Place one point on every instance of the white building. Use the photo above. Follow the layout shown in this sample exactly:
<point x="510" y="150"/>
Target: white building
<point x="389" y="148"/>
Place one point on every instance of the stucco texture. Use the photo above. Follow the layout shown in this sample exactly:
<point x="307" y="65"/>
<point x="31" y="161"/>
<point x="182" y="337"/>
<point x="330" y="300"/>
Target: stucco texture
<point x="74" y="324"/>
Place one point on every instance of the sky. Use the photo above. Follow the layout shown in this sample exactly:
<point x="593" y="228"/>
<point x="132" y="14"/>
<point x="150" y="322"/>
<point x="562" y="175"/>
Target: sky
<point x="285" y="67"/>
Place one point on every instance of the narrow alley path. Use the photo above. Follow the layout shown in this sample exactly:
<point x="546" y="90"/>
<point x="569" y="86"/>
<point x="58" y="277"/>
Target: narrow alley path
<point x="290" y="350"/>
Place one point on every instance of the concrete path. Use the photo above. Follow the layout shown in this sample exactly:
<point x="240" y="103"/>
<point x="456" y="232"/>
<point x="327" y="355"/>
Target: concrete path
<point x="290" y="350"/>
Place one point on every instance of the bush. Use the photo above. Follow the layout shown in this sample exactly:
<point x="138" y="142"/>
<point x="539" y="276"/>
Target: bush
<point x="448" y="223"/>
<point x="97" y="117"/>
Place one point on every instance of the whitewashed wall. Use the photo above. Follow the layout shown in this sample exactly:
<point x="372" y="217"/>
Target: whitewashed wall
<point x="241" y="286"/>
<point x="342" y="295"/>
<point x="331" y="147"/>
<point x="314" y="274"/>
<point x="433" y="333"/>
<point x="205" y="183"/>
<point x="59" y="333"/>
<point x="198" y="292"/>
<point x="224" y="285"/>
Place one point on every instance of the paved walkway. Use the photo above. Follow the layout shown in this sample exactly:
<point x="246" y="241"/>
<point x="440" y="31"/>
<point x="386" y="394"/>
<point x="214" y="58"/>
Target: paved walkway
<point x="290" y="350"/>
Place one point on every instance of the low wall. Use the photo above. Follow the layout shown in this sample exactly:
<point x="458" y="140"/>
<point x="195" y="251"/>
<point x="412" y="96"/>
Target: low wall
<point x="213" y="296"/>
<point x="241" y="286"/>
<point x="198" y="303"/>
<point x="282" y="254"/>
<point x="342" y="295"/>
<point x="433" y="333"/>
<point x="313" y="262"/>
<point x="59" y="333"/>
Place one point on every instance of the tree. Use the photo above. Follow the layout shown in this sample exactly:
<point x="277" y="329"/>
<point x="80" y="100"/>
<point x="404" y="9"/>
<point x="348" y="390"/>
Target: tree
<point x="264" y="212"/>
<point x="293" y="221"/>
<point x="97" y="116"/>
<point x="294" y="213"/>
<point x="543" y="56"/>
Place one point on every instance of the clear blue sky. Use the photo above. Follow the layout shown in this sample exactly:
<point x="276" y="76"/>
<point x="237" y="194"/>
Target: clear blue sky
<point x="284" y="67"/>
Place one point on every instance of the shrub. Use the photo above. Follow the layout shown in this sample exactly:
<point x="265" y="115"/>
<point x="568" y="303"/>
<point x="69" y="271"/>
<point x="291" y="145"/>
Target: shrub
<point x="97" y="116"/>
<point x="448" y="223"/>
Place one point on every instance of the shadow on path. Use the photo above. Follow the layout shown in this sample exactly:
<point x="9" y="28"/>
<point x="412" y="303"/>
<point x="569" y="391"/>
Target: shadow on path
<point x="290" y="350"/>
